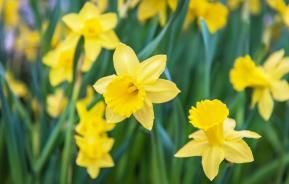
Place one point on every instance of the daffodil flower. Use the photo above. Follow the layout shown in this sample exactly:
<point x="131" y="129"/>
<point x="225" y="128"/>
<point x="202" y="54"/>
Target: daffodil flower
<point x="17" y="87"/>
<point x="135" y="87"/>
<point x="266" y="81"/>
<point x="214" y="13"/>
<point x="281" y="7"/>
<point x="151" y="8"/>
<point x="92" y="140"/>
<point x="60" y="60"/>
<point x="124" y="5"/>
<point x="96" y="28"/>
<point x="10" y="12"/>
<point x="56" y="103"/>
<point x="253" y="5"/>
<point x="216" y="140"/>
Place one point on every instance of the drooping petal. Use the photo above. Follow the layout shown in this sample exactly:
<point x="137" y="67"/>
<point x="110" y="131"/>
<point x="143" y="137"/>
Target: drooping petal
<point x="280" y="90"/>
<point x="198" y="135"/>
<point x="93" y="171"/>
<point x="248" y="134"/>
<point x="146" y="10"/>
<point x="146" y="115"/>
<point x="273" y="60"/>
<point x="92" y="48"/>
<point x="265" y="105"/>
<point x="108" y="21"/>
<point x="152" y="68"/>
<point x="237" y="151"/>
<point x="281" y="69"/>
<point x="173" y="4"/>
<point x="161" y="91"/>
<point x="101" y="84"/>
<point x="211" y="160"/>
<point x="192" y="148"/>
<point x="112" y="117"/>
<point x="74" y="22"/>
<point x="109" y="40"/>
<point x="51" y="58"/>
<point x="256" y="95"/>
<point x="89" y="10"/>
<point x="106" y="161"/>
<point x="125" y="60"/>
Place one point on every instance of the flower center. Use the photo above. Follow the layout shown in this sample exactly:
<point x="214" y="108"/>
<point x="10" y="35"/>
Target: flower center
<point x="215" y="134"/>
<point x="91" y="28"/>
<point x="124" y="96"/>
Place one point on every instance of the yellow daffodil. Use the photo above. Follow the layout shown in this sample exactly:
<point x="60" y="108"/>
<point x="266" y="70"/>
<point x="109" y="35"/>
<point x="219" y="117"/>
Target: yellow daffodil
<point x="266" y="81"/>
<point x="124" y="5"/>
<point x="92" y="140"/>
<point x="253" y="5"/>
<point x="101" y="4"/>
<point x="17" y="86"/>
<point x="10" y="10"/>
<point x="214" y="13"/>
<point x="135" y="87"/>
<point x="60" y="60"/>
<point x="94" y="152"/>
<point x="28" y="42"/>
<point x="96" y="28"/>
<point x="56" y="103"/>
<point x="216" y="140"/>
<point x="151" y="8"/>
<point x="281" y="7"/>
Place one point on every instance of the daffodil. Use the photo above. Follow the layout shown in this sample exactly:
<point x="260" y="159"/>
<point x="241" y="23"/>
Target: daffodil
<point x="266" y="81"/>
<point x="96" y="28"/>
<point x="281" y="7"/>
<point x="10" y="10"/>
<point x="216" y="140"/>
<point x="92" y="140"/>
<point x="56" y="103"/>
<point x="124" y="5"/>
<point x="253" y="5"/>
<point x="16" y="86"/>
<point x="60" y="61"/>
<point x="151" y="8"/>
<point x="28" y="42"/>
<point x="135" y="87"/>
<point x="215" y="14"/>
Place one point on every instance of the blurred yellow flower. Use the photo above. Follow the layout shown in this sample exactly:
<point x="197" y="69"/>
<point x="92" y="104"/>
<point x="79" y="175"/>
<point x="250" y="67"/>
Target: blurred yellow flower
<point x="101" y="4"/>
<point x="216" y="140"/>
<point x="214" y="13"/>
<point x="10" y="10"/>
<point x="124" y="5"/>
<point x="266" y="81"/>
<point x="92" y="140"/>
<point x="96" y="28"/>
<point x="28" y="42"/>
<point x="135" y="87"/>
<point x="281" y="7"/>
<point x="60" y="61"/>
<point x="253" y="5"/>
<point x="56" y="103"/>
<point x="151" y="8"/>
<point x="16" y="86"/>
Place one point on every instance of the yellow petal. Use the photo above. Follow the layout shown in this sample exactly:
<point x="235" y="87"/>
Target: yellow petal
<point x="211" y="160"/>
<point x="146" y="115"/>
<point x="125" y="60"/>
<point x="265" y="105"/>
<point x="163" y="16"/>
<point x="51" y="58"/>
<point x="146" y="10"/>
<point x="101" y="84"/>
<point x="216" y="16"/>
<point x="93" y="171"/>
<point x="92" y="48"/>
<point x="256" y="95"/>
<point x="274" y="59"/>
<point x="108" y="21"/>
<point x="109" y="40"/>
<point x="88" y="11"/>
<point x="280" y="70"/>
<point x="229" y="124"/>
<point x="161" y="91"/>
<point x="280" y="90"/>
<point x="152" y="68"/>
<point x="82" y="160"/>
<point x="198" y="135"/>
<point x="106" y="161"/>
<point x="237" y="151"/>
<point x="86" y="65"/>
<point x="192" y="148"/>
<point x="74" y="22"/>
<point x="112" y="117"/>
<point x="57" y="76"/>
<point x="248" y="134"/>
<point x="173" y="4"/>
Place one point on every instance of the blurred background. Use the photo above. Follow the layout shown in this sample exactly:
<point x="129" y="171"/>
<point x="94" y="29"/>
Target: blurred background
<point x="37" y="122"/>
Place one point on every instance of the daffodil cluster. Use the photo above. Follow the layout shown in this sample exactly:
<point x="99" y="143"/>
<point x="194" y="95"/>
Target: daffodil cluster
<point x="216" y="140"/>
<point x="266" y="81"/>
<point x="92" y="138"/>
